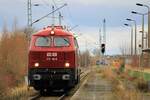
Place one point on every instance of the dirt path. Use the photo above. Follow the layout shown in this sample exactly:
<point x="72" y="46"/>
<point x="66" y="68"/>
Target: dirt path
<point x="94" y="88"/>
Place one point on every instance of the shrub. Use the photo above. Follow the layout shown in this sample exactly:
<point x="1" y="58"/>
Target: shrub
<point x="13" y="60"/>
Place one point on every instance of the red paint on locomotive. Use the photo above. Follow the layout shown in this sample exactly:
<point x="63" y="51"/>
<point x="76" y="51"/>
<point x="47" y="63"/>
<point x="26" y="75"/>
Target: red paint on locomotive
<point x="53" y="51"/>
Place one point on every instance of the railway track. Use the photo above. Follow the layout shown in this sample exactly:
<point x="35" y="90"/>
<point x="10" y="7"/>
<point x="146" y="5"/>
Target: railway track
<point x="63" y="96"/>
<point x="35" y="97"/>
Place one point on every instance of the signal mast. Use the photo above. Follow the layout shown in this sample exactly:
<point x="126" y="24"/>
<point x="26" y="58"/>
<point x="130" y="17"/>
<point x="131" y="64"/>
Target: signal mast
<point x="102" y="39"/>
<point x="102" y="43"/>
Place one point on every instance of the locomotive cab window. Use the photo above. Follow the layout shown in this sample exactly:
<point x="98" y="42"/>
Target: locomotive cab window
<point x="61" y="41"/>
<point x="43" y="42"/>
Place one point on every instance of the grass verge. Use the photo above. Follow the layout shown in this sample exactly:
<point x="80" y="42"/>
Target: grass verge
<point x="119" y="87"/>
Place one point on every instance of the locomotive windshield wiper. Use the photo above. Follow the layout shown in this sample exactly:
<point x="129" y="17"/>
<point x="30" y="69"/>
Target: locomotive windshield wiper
<point x="66" y="40"/>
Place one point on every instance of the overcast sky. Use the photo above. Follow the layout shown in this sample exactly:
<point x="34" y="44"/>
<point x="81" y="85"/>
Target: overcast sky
<point x="88" y="14"/>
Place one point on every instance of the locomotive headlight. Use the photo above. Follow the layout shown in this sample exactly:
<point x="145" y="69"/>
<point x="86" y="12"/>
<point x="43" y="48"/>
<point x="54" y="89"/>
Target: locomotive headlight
<point x="36" y="64"/>
<point x="67" y="65"/>
<point x="52" y="32"/>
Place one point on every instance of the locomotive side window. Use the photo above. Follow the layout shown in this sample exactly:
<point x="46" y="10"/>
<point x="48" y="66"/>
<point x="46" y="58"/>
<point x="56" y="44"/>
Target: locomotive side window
<point x="43" y="42"/>
<point x="61" y="41"/>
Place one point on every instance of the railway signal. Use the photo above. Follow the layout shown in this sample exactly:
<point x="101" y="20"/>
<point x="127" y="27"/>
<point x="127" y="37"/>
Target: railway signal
<point x="102" y="38"/>
<point x="102" y="48"/>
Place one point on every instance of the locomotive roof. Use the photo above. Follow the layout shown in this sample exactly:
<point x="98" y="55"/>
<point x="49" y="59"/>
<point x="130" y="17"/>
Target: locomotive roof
<point x="57" y="31"/>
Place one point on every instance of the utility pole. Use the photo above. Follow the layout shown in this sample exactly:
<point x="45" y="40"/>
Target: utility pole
<point x="86" y="57"/>
<point x="135" y="37"/>
<point x="131" y="40"/>
<point x="139" y="4"/>
<point x="100" y="42"/>
<point x="29" y="13"/>
<point x="142" y="31"/>
<point x="148" y="26"/>
<point x="146" y="39"/>
<point x="103" y="40"/>
<point x="29" y="23"/>
<point x="104" y="31"/>
<point x="53" y="16"/>
<point x="142" y="14"/>
<point x="131" y="37"/>
<point x="103" y="45"/>
<point x="60" y="16"/>
<point x="134" y="21"/>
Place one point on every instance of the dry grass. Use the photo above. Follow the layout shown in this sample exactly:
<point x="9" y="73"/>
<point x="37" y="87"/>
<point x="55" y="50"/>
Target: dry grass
<point x="18" y="93"/>
<point x="120" y="90"/>
<point x="141" y="84"/>
<point x="108" y="73"/>
<point x="122" y="93"/>
<point x="13" y="63"/>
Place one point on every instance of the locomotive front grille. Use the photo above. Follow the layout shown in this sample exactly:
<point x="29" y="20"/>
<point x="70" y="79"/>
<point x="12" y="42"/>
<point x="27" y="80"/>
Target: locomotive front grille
<point x="50" y="71"/>
<point x="51" y="74"/>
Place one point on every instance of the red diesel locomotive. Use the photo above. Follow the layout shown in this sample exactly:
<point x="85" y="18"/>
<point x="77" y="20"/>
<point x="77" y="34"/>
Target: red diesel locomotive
<point x="53" y="59"/>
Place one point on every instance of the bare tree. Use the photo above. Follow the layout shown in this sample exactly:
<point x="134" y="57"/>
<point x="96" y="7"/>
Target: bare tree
<point x="15" y="25"/>
<point x="12" y="48"/>
<point x="4" y="29"/>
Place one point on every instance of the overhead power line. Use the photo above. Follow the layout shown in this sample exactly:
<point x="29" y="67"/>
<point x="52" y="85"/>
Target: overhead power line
<point x="49" y="14"/>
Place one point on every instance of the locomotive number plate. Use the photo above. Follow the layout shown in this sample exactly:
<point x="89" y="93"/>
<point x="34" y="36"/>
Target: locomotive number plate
<point x="50" y="54"/>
